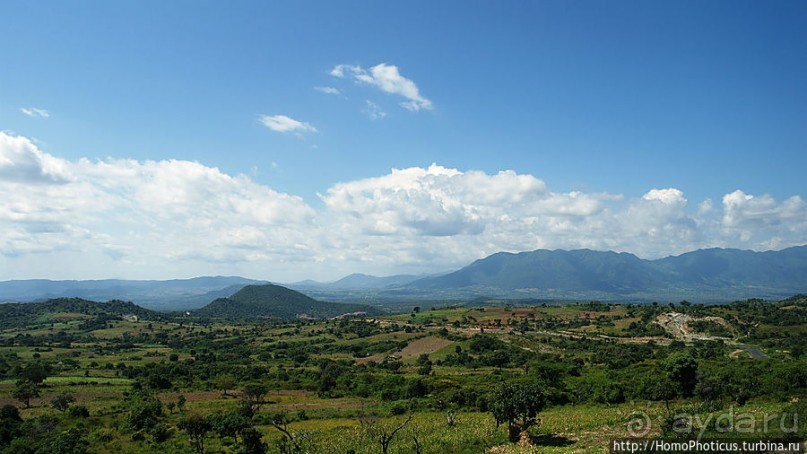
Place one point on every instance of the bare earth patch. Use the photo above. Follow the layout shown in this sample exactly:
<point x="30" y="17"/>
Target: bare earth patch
<point x="424" y="345"/>
<point x="677" y="324"/>
<point x="415" y="348"/>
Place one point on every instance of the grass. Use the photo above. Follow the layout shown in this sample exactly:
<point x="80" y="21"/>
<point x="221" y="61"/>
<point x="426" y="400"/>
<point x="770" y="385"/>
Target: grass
<point x="78" y="380"/>
<point x="566" y="429"/>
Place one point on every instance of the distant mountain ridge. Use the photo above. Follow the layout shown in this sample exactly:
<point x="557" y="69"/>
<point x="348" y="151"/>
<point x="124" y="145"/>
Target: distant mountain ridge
<point x="174" y="294"/>
<point x="703" y="275"/>
<point x="730" y="272"/>
<point x="560" y="270"/>
<point x="277" y="302"/>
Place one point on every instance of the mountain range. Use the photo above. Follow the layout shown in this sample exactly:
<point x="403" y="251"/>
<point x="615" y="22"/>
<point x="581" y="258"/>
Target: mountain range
<point x="707" y="275"/>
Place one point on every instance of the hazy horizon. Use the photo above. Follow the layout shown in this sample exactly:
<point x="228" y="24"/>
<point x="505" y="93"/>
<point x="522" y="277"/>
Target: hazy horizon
<point x="340" y="277"/>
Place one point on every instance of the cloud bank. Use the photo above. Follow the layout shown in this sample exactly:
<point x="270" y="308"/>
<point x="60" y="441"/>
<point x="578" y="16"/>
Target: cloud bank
<point x="172" y="218"/>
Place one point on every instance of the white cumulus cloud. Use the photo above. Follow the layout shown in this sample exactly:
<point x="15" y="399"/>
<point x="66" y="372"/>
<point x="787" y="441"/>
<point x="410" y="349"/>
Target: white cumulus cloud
<point x="388" y="79"/>
<point x="22" y="161"/>
<point x="174" y="218"/>
<point x="146" y="215"/>
<point x="669" y="196"/>
<point x="35" y="112"/>
<point x="282" y="123"/>
<point x="755" y="219"/>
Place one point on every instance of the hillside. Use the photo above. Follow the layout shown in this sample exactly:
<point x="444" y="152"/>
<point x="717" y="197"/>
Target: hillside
<point x="20" y="314"/>
<point x="364" y="281"/>
<point x="708" y="274"/>
<point x="733" y="267"/>
<point x="276" y="302"/>
<point x="555" y="270"/>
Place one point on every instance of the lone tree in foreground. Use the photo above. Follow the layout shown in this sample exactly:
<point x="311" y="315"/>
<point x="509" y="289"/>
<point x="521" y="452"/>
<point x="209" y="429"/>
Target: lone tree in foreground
<point x="291" y="442"/>
<point x="517" y="404"/>
<point x="383" y="433"/>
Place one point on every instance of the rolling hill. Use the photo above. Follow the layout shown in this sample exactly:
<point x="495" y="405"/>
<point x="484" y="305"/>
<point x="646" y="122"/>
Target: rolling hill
<point x="276" y="302"/>
<point x="21" y="314"/>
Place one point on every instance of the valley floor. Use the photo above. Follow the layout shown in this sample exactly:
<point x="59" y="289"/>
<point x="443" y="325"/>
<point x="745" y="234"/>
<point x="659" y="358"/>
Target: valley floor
<point x="424" y="381"/>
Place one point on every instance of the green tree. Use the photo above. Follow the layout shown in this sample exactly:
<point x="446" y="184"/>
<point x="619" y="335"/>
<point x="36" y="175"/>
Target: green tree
<point x="228" y="424"/>
<point x="225" y="382"/>
<point x="709" y="389"/>
<point x="252" y="441"/>
<point x="36" y="372"/>
<point x="62" y="401"/>
<point x="290" y="442"/>
<point x="24" y="391"/>
<point x="71" y="441"/>
<point x="196" y="426"/>
<point x="252" y="397"/>
<point x="517" y="404"/>
<point x="328" y="376"/>
<point x="10" y="423"/>
<point x="382" y="433"/>
<point x="682" y="369"/>
<point x="181" y="402"/>
<point x="78" y="411"/>
<point x="144" y="411"/>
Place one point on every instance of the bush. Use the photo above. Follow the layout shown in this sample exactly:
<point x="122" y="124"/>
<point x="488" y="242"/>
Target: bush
<point x="397" y="409"/>
<point x="161" y="432"/>
<point x="796" y="415"/>
<point x="144" y="411"/>
<point x="78" y="411"/>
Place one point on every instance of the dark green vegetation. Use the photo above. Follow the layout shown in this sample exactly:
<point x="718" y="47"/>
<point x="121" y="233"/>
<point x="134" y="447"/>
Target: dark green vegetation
<point x="77" y="376"/>
<point x="16" y="314"/>
<point x="274" y="301"/>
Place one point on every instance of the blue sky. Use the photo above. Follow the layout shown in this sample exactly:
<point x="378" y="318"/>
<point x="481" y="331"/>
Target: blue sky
<point x="587" y="108"/>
